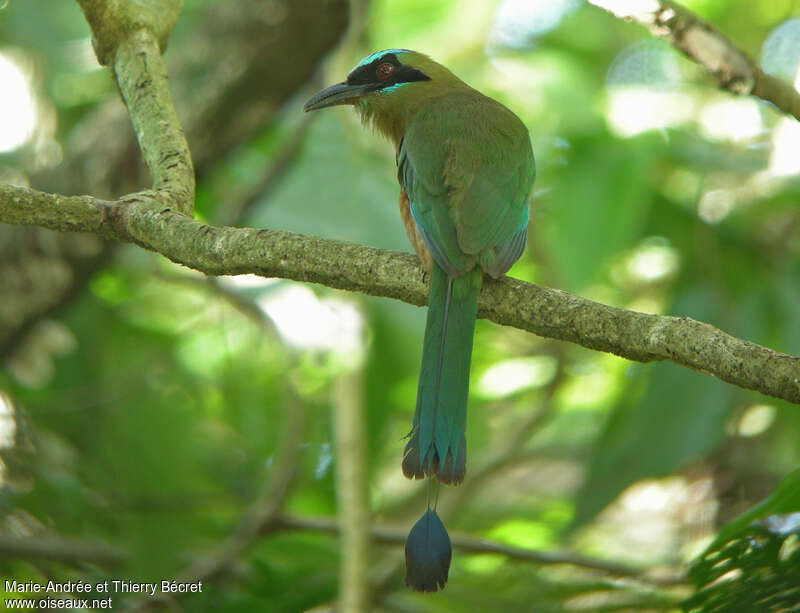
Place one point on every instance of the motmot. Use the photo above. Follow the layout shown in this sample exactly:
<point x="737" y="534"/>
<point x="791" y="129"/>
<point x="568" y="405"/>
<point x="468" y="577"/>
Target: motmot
<point x="466" y="168"/>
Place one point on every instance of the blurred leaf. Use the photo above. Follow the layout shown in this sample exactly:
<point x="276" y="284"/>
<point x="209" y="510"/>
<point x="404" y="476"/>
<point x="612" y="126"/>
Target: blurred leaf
<point x="680" y="417"/>
<point x="785" y="499"/>
<point x="601" y="210"/>
<point x="354" y="199"/>
<point x="754" y="562"/>
<point x="394" y="353"/>
<point x="158" y="428"/>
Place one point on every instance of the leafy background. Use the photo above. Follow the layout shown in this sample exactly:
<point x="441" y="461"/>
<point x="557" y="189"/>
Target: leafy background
<point x="148" y="414"/>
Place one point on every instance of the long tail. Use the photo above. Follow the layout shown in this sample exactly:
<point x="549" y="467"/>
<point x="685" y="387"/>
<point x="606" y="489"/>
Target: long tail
<point x="437" y="445"/>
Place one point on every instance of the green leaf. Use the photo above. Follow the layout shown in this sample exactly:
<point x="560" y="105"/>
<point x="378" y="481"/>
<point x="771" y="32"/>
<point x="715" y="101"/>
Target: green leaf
<point x="785" y="499"/>
<point x="680" y="417"/>
<point x="752" y="565"/>
<point x="599" y="207"/>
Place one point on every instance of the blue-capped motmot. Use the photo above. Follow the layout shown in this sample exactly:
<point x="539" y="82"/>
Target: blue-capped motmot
<point x="466" y="169"/>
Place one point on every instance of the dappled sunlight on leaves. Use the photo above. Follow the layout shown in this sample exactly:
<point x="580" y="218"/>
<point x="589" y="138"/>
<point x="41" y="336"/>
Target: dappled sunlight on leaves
<point x="150" y="411"/>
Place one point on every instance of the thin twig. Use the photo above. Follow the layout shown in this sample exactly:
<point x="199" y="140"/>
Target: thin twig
<point x="393" y="536"/>
<point x="457" y="499"/>
<point x="61" y="550"/>
<point x="261" y="519"/>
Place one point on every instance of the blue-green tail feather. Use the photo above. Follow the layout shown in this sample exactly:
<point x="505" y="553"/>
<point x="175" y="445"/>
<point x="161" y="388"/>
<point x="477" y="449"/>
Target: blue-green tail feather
<point x="428" y="554"/>
<point x="437" y="445"/>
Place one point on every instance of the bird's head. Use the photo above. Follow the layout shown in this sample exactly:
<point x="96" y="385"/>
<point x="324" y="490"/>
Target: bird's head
<point x="387" y="87"/>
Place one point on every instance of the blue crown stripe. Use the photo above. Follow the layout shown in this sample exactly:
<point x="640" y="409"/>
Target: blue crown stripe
<point x="374" y="56"/>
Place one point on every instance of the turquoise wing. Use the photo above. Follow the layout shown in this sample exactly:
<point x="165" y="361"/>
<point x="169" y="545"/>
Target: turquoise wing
<point x="467" y="166"/>
<point x="428" y="202"/>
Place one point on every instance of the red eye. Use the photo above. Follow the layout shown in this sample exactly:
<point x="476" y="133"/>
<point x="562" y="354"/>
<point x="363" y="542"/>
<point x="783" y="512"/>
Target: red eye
<point x="384" y="70"/>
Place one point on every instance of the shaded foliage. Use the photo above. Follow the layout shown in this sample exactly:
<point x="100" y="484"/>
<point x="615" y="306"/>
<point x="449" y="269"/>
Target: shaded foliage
<point x="147" y="411"/>
<point x="756" y="571"/>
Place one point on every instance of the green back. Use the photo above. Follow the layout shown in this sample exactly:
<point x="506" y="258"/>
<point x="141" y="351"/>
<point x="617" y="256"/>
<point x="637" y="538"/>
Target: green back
<point x="467" y="166"/>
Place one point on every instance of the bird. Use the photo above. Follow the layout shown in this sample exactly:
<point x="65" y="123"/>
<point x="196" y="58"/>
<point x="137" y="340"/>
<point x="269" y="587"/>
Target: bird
<point x="466" y="169"/>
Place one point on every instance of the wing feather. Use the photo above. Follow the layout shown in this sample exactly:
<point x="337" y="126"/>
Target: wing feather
<point x="467" y="166"/>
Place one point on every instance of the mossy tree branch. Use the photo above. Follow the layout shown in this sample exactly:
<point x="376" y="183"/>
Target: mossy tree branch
<point x="149" y="219"/>
<point x="544" y="311"/>
<point x="129" y="37"/>
<point x="219" y="109"/>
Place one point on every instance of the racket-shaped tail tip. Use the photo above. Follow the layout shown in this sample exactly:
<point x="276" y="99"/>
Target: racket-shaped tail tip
<point x="428" y="554"/>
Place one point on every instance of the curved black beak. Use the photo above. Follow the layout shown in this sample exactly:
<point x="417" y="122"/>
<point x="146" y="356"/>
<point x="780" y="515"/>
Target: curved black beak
<point x="341" y="93"/>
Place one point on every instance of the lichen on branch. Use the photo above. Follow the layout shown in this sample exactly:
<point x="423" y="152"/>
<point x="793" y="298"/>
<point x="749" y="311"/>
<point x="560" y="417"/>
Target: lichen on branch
<point x="551" y="313"/>
<point x="158" y="219"/>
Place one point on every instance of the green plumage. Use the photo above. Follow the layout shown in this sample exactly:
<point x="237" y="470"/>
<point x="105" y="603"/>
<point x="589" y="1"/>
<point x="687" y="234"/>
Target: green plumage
<point x="437" y="442"/>
<point x="466" y="165"/>
<point x="466" y="169"/>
